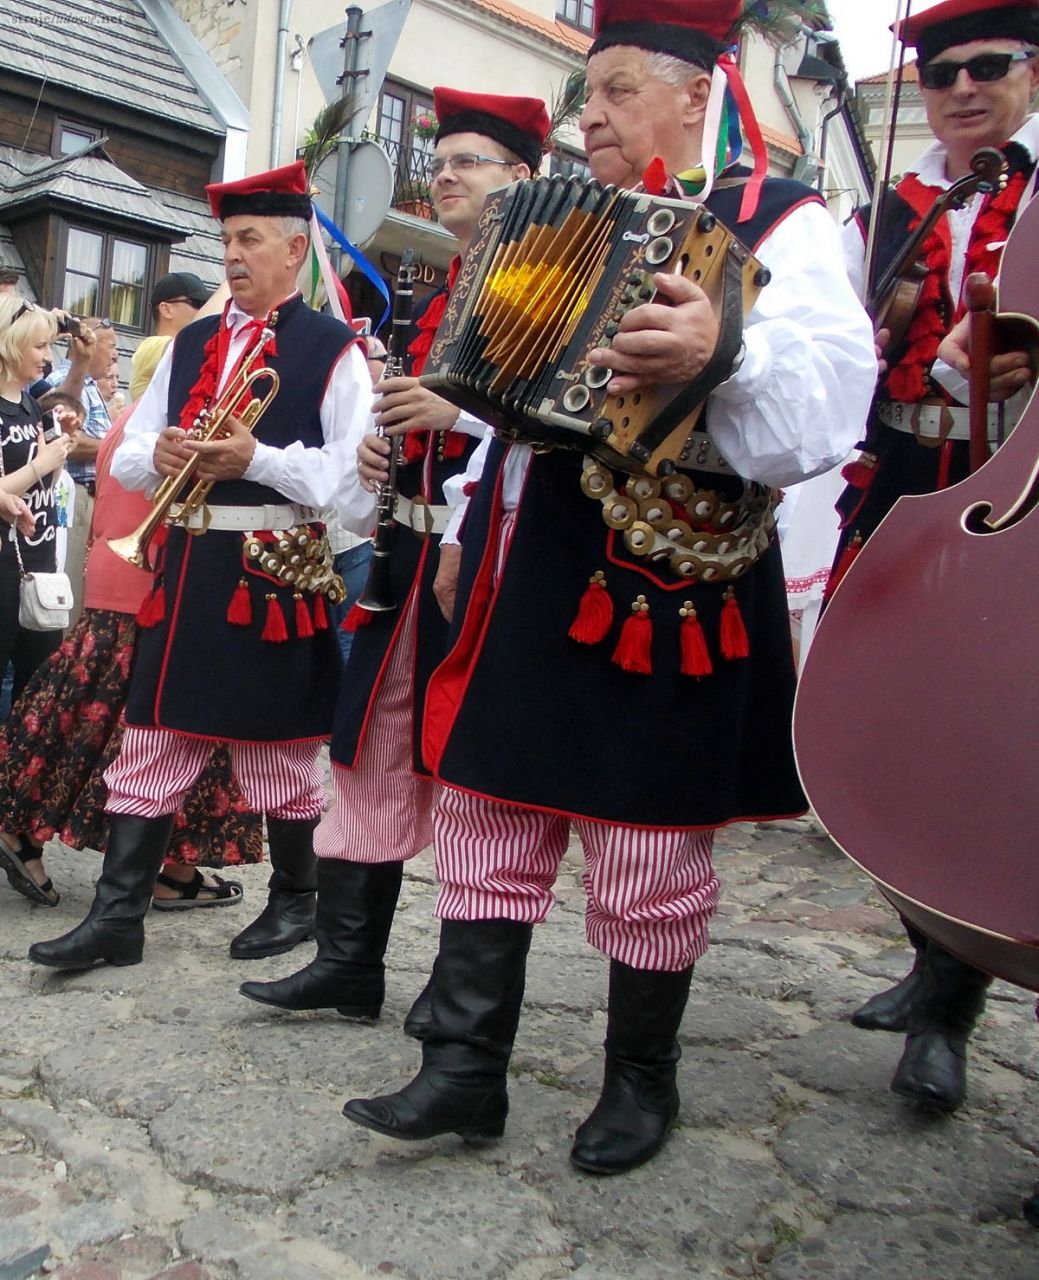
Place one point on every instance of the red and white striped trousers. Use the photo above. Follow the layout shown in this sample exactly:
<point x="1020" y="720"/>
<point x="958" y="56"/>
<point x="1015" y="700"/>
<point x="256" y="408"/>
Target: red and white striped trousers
<point x="382" y="810"/>
<point x="650" y="894"/>
<point x="156" y="768"/>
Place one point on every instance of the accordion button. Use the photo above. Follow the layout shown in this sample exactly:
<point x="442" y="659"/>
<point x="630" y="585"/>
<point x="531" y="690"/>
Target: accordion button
<point x="611" y="330"/>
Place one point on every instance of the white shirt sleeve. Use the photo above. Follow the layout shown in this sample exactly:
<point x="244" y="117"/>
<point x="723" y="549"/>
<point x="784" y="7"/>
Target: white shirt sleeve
<point x="315" y="477"/>
<point x="455" y="486"/>
<point x="799" y="401"/>
<point x="132" y="463"/>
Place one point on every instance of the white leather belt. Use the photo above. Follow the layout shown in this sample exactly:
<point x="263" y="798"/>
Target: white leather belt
<point x="276" y="516"/>
<point x="935" y="422"/>
<point x="421" y="517"/>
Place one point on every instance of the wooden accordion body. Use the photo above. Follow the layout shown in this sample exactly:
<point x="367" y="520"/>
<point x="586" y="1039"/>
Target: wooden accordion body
<point x="554" y="266"/>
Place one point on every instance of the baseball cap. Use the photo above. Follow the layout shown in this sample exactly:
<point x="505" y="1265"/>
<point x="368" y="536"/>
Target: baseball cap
<point x="180" y="284"/>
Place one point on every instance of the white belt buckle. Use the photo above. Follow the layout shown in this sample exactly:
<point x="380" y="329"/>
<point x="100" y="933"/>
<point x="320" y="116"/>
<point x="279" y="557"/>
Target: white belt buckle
<point x="420" y="504"/>
<point x="946" y="422"/>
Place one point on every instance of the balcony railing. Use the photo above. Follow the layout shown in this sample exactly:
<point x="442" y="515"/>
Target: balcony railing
<point x="411" y="181"/>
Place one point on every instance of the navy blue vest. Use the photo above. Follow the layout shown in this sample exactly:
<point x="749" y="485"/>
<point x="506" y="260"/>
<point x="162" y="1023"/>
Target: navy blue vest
<point x="196" y="672"/>
<point x="520" y="713"/>
<point x="413" y="566"/>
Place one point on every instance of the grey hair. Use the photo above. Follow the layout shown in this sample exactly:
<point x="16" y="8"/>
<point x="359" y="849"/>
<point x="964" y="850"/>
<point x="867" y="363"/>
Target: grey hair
<point x="292" y="226"/>
<point x="672" y="70"/>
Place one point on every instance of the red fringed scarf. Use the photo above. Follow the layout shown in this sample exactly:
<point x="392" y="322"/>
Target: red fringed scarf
<point x="214" y="357"/>
<point x="935" y="313"/>
<point x="417" y="442"/>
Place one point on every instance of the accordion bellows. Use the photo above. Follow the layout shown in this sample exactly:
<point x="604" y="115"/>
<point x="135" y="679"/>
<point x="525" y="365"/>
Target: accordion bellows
<point x="554" y="266"/>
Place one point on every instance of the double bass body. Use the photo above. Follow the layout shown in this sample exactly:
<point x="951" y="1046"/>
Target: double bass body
<point x="917" y="718"/>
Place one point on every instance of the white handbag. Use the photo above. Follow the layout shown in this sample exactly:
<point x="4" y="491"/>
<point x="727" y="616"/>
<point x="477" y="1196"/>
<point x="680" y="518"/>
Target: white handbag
<point x="44" y="600"/>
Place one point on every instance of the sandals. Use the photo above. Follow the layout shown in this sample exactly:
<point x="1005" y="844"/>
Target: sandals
<point x="13" y="861"/>
<point x="224" y="893"/>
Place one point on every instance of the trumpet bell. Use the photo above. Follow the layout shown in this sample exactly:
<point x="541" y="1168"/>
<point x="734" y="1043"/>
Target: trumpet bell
<point x="133" y="549"/>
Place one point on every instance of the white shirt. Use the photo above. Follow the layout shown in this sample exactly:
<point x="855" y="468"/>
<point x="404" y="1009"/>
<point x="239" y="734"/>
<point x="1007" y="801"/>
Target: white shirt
<point x="310" y="476"/>
<point x="798" y="402"/>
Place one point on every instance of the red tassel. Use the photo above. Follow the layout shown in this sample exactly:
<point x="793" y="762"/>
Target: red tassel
<point x="696" y="660"/>
<point x="860" y="472"/>
<point x="356" y="618"/>
<point x="734" y="638"/>
<point x="240" y="610"/>
<point x="320" y="614"/>
<point x="634" y="651"/>
<point x="847" y="559"/>
<point x="654" y="180"/>
<point x="153" y="606"/>
<point x="275" y="628"/>
<point x="304" y="626"/>
<point x="594" y="614"/>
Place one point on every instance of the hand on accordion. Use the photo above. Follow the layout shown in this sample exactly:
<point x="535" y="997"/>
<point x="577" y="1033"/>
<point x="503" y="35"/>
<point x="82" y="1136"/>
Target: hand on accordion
<point x="405" y="405"/>
<point x="658" y="344"/>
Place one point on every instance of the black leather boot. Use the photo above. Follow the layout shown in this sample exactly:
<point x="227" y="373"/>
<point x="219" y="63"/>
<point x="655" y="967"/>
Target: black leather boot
<point x="461" y="1087"/>
<point x="1031" y="1209"/>
<point x="638" y="1105"/>
<point x="355" y="906"/>
<point x="113" y="930"/>
<point x="289" y="917"/>
<point x="420" y="1016"/>
<point x="951" y="998"/>
<point x="889" y="1010"/>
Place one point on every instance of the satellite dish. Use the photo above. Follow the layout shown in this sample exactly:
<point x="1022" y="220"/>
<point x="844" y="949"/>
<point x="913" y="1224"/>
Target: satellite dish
<point x="370" y="190"/>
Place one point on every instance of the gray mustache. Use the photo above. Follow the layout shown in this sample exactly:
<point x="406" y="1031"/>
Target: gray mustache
<point x="238" y="272"/>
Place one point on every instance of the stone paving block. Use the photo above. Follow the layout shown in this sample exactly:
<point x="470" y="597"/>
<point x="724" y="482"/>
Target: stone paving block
<point x="753" y="973"/>
<point x="372" y="1220"/>
<point x="840" y="1059"/>
<point x="253" y="1138"/>
<point x="14" y="1202"/>
<point x="90" y="1222"/>
<point x="138" y="1070"/>
<point x="889" y="1158"/>
<point x="183" y="1271"/>
<point x="701" y="1196"/>
<point x="736" y="1021"/>
<point x="88" y="1271"/>
<point x="861" y="1246"/>
<point x="322" y="1047"/>
<point x="142" y="1252"/>
<point x="24" y="1265"/>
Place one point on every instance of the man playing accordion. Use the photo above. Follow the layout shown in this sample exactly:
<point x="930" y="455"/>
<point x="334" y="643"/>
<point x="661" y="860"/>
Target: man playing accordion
<point x="613" y="720"/>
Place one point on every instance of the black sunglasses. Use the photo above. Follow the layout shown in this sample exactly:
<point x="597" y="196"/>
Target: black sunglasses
<point x="983" y="69"/>
<point x="23" y="310"/>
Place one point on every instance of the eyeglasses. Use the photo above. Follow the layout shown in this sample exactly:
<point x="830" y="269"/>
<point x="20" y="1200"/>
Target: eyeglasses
<point x="464" y="163"/>
<point x="101" y="324"/>
<point x="197" y="306"/>
<point x="983" y="69"/>
<point x="23" y="310"/>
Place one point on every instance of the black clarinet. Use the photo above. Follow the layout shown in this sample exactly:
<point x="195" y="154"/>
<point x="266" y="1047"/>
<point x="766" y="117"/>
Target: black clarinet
<point x="377" y="596"/>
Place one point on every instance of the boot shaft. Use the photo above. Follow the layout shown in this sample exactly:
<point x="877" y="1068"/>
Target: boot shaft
<point x="950" y="997"/>
<point x="645" y="1013"/>
<point x="290" y="845"/>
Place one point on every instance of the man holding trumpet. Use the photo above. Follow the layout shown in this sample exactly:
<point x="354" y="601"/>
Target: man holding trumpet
<point x="235" y="643"/>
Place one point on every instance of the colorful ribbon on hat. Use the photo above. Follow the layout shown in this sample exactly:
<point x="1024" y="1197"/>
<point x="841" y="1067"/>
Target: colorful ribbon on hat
<point x="728" y="116"/>
<point x="357" y="257"/>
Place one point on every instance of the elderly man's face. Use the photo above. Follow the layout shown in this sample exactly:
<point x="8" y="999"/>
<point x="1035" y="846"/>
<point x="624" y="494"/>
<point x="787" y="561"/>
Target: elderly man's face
<point x="972" y="114"/>
<point x="104" y="351"/>
<point x="631" y="116"/>
<point x="261" y="263"/>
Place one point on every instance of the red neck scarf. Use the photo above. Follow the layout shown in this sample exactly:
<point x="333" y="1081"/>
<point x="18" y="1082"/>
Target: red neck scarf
<point x="451" y="444"/>
<point x="214" y="357"/>
<point x="936" y="312"/>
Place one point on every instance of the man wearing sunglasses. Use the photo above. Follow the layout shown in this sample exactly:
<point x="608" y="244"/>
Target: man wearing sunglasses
<point x="979" y="70"/>
<point x="176" y="301"/>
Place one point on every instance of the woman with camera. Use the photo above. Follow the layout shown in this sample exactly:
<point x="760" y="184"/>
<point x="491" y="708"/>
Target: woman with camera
<point x="28" y="468"/>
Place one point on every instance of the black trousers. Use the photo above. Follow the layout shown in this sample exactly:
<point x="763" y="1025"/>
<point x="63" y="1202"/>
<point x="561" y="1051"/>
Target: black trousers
<point x="25" y="650"/>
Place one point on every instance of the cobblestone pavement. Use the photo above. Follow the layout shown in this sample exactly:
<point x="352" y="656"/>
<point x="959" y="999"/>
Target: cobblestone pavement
<point x="155" y="1124"/>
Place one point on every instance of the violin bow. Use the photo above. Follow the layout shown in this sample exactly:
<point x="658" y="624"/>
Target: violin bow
<point x="896" y="76"/>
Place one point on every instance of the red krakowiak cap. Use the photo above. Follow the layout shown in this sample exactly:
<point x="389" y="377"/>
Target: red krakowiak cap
<point x="694" y="30"/>
<point x="962" y="21"/>
<point x="282" y="192"/>
<point x="520" y="124"/>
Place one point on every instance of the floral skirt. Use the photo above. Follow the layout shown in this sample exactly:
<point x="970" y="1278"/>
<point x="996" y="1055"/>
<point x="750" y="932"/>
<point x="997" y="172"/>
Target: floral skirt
<point x="67" y="728"/>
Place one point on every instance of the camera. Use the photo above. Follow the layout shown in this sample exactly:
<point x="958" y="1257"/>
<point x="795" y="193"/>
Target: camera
<point x="70" y="325"/>
<point x="51" y="428"/>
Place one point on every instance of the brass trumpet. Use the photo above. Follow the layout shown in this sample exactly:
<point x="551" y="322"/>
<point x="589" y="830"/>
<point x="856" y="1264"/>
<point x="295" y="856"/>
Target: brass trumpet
<point x="209" y="425"/>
